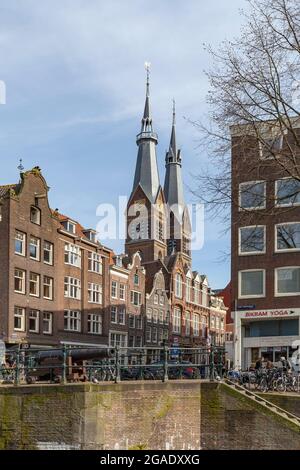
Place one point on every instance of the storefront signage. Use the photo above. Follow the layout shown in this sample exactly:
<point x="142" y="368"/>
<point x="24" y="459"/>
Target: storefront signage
<point x="269" y="313"/>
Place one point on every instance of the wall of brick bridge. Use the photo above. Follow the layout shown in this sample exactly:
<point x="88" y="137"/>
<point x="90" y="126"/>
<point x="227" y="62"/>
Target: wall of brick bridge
<point x="176" y="415"/>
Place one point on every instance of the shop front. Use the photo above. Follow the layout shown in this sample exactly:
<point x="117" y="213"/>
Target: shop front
<point x="270" y="334"/>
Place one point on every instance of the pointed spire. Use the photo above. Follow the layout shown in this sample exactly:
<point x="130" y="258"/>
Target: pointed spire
<point x="173" y="186"/>
<point x="147" y="119"/>
<point x="146" y="173"/>
<point x="173" y="155"/>
<point x="173" y="148"/>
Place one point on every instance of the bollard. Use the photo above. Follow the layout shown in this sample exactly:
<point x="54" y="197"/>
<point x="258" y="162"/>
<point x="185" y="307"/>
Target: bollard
<point x="165" y="376"/>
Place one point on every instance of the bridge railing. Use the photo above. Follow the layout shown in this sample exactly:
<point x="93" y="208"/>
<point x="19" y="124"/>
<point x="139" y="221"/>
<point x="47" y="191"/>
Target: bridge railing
<point x="125" y="363"/>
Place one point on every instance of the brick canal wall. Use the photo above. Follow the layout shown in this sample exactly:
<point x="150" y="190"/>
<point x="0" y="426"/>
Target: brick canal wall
<point x="139" y="415"/>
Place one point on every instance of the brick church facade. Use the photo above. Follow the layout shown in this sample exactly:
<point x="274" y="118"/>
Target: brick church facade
<point x="60" y="285"/>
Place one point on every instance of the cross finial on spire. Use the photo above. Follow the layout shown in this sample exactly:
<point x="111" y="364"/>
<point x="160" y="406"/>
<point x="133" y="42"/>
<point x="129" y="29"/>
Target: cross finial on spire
<point x="147" y="67"/>
<point x="20" y="166"/>
<point x="174" y="111"/>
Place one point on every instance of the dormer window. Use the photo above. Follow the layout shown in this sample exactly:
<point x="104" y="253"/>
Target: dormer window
<point x="91" y="235"/>
<point x="70" y="226"/>
<point x="119" y="261"/>
<point x="35" y="215"/>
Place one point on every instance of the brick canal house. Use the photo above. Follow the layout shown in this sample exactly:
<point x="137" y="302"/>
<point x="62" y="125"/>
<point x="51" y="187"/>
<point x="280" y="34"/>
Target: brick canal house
<point x="60" y="285"/>
<point x="55" y="275"/>
<point x="265" y="260"/>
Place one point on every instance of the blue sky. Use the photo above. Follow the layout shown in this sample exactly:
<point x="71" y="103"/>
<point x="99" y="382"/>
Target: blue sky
<point x="75" y="84"/>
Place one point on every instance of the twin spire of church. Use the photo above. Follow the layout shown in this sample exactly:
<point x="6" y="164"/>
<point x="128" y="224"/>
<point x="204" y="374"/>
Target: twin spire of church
<point x="169" y="230"/>
<point x="146" y="172"/>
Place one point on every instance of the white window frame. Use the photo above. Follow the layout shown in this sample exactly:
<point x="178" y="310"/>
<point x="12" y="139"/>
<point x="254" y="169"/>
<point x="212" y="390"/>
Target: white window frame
<point x="114" y="310"/>
<point x="21" y="316"/>
<point x="50" y="287"/>
<point x="121" y="315"/>
<point x="133" y="295"/>
<point x="188" y="288"/>
<point x="70" y="226"/>
<point x="284" y="250"/>
<point x="114" y="287"/>
<point x="37" y="283"/>
<point x="148" y="334"/>
<point x="94" y="293"/>
<point x="23" y="279"/>
<point x="177" y="321"/>
<point x="47" y="317"/>
<point x="197" y="292"/>
<point x="95" y="321"/>
<point x="72" y="255"/>
<point x="23" y="242"/>
<point x="37" y="246"/>
<point x="36" y="317"/>
<point x="187" y="329"/>
<point x="178" y="286"/>
<point x="118" y="335"/>
<point x="255" y="208"/>
<point x="240" y="284"/>
<point x="154" y="337"/>
<point x="291" y="204"/>
<point x="249" y="253"/>
<point x="204" y="295"/>
<point x="73" y="318"/>
<point x="196" y="324"/>
<point x="122" y="291"/>
<point x="72" y="284"/>
<point x="50" y="251"/>
<point x="149" y="314"/>
<point x="131" y="321"/>
<point x="139" y="322"/>
<point x="279" y="294"/>
<point x="95" y="263"/>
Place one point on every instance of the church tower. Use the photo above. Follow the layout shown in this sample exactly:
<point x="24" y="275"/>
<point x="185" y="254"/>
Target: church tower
<point x="146" y="218"/>
<point x="179" y="225"/>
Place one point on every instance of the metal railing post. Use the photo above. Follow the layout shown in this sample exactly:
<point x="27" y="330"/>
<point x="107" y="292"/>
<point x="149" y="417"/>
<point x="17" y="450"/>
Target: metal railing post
<point x="211" y="365"/>
<point x="64" y="366"/>
<point x="117" y="365"/>
<point x="17" y="369"/>
<point x="165" y="376"/>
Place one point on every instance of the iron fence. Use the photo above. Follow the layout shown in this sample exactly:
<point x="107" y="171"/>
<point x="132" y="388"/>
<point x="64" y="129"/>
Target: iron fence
<point x="63" y="365"/>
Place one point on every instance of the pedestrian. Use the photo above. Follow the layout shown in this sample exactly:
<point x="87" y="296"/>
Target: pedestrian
<point x="286" y="365"/>
<point x="269" y="364"/>
<point x="259" y="363"/>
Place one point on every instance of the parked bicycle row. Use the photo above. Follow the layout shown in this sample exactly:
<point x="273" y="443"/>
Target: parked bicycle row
<point x="275" y="379"/>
